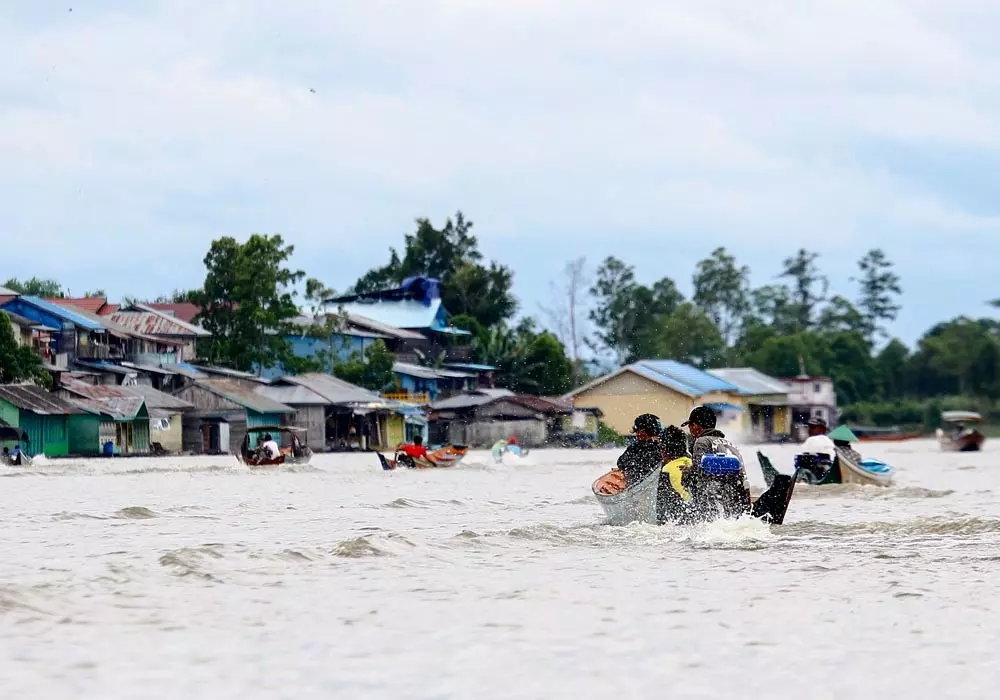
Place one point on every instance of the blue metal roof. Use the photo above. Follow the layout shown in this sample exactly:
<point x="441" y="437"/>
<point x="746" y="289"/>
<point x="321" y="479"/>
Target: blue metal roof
<point x="684" y="378"/>
<point x="470" y="365"/>
<point x="57" y="311"/>
<point x="721" y="407"/>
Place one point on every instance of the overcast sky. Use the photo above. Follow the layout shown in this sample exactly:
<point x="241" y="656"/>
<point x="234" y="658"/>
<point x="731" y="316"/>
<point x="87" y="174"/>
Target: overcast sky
<point x="133" y="133"/>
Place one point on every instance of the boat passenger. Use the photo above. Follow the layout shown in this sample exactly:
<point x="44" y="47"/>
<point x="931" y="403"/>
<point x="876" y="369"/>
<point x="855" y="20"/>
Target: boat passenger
<point x="270" y="447"/>
<point x="645" y="455"/>
<point x="818" y="441"/>
<point x="416" y="450"/>
<point x="674" y="501"/>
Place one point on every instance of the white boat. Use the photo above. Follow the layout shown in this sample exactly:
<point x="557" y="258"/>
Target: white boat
<point x="854" y="469"/>
<point x="635" y="504"/>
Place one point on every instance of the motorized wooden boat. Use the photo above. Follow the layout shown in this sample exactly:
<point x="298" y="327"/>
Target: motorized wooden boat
<point x="848" y="467"/>
<point x="638" y="503"/>
<point x="292" y="449"/>
<point x="447" y="456"/>
<point x="893" y="434"/>
<point x="502" y="447"/>
<point x="957" y="435"/>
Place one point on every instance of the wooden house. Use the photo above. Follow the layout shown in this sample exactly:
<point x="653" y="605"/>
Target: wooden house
<point x="222" y="411"/>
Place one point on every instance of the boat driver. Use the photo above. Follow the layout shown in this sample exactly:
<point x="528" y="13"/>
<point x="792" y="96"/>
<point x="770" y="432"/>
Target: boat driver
<point x="818" y="441"/>
<point x="707" y="439"/>
<point x="270" y="447"/>
<point x="416" y="450"/>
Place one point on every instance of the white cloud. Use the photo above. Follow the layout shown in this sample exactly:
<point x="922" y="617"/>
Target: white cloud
<point x="615" y="127"/>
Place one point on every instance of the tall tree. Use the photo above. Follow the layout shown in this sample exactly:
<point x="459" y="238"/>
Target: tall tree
<point x="626" y="314"/>
<point x="809" y="286"/>
<point x="722" y="290"/>
<point x="879" y="292"/>
<point x="19" y="363"/>
<point x="891" y="365"/>
<point x="450" y="254"/>
<point x="566" y="313"/>
<point x="248" y="301"/>
<point x="36" y="287"/>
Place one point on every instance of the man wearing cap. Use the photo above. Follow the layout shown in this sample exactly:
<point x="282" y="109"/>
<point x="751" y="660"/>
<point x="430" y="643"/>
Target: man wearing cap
<point x="645" y="455"/>
<point x="706" y="439"/>
<point x="818" y="441"/>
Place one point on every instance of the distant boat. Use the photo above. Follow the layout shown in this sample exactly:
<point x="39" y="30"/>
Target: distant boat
<point x="957" y="435"/>
<point x="880" y="434"/>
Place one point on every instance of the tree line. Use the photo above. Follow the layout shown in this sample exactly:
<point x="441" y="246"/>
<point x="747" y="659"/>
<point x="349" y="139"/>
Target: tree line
<point x="253" y="301"/>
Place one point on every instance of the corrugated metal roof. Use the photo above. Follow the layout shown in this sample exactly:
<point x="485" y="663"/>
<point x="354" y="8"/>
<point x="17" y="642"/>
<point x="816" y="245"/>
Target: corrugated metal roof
<point x="153" y="397"/>
<point x="248" y="398"/>
<point x="184" y="311"/>
<point x="750" y="381"/>
<point x="4" y="292"/>
<point x="470" y="366"/>
<point x="462" y="401"/>
<point x="226" y="372"/>
<point x="406" y="314"/>
<point x="155" y="323"/>
<point x="35" y="399"/>
<point x="699" y="380"/>
<point x="334" y="390"/>
<point x="293" y="395"/>
<point x="382" y="328"/>
<point x="71" y="315"/>
<point x="411" y="370"/>
<point x="89" y="304"/>
<point x="122" y="408"/>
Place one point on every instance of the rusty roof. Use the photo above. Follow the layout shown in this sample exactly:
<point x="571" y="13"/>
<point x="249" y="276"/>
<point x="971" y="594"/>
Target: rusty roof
<point x="90" y="304"/>
<point x="539" y="403"/>
<point x="146" y="320"/>
<point x="152" y="397"/>
<point x="185" y="311"/>
<point x="34" y="399"/>
<point x="119" y="409"/>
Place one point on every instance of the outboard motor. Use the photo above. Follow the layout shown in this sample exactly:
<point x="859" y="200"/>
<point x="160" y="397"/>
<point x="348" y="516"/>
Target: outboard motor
<point x="812" y="468"/>
<point x="720" y="491"/>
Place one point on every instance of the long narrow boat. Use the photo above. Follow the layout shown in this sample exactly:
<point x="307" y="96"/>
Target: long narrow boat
<point x="445" y="457"/>
<point x="638" y="503"/>
<point x="292" y="451"/>
<point x="894" y="434"/>
<point x="848" y="468"/>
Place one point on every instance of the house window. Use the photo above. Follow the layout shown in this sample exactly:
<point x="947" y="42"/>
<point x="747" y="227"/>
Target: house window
<point x="817" y="388"/>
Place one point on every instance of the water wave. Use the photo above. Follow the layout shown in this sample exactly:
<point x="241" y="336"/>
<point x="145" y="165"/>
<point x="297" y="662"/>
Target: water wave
<point x="867" y="492"/>
<point x="188" y="561"/>
<point x="939" y="525"/>
<point x="136" y="513"/>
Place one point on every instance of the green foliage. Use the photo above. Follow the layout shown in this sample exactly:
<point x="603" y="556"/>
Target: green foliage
<point x="19" y="363"/>
<point x="879" y="290"/>
<point x="722" y="291"/>
<point x="35" y="287"/>
<point x="606" y="435"/>
<point x="627" y="314"/>
<point x="809" y="287"/>
<point x="248" y="302"/>
<point x="451" y="255"/>
<point x="689" y="335"/>
<point x="373" y="370"/>
<point x="527" y="361"/>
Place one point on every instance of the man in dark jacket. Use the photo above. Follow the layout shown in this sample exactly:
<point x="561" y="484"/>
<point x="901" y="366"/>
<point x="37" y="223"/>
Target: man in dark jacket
<point x="706" y="439"/>
<point x="645" y="455"/>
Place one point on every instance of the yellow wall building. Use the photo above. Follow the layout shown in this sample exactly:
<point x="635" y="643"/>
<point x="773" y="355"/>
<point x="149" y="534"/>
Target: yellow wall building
<point x="766" y="399"/>
<point x="664" y="388"/>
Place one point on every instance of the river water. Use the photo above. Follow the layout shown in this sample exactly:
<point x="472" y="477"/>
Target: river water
<point x="197" y="578"/>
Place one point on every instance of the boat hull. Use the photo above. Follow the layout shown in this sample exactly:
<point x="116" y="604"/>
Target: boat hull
<point x="444" y="458"/>
<point x="970" y="442"/>
<point x="638" y="503"/>
<point x="863" y="472"/>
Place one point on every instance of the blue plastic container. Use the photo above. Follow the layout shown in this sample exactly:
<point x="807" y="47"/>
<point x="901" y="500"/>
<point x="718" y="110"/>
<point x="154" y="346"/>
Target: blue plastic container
<point x="720" y="465"/>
